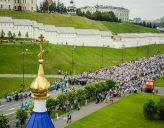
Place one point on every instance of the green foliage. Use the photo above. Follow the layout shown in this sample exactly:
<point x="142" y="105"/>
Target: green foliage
<point x="30" y="108"/>
<point x="19" y="34"/>
<point x="102" y="16"/>
<point x="14" y="35"/>
<point x="160" y="107"/>
<point x="51" y="104"/>
<point x="71" y="95"/>
<point x="21" y="115"/>
<point x="79" y="12"/>
<point x="2" y="33"/>
<point x="81" y="93"/>
<point x="61" y="98"/>
<point x="9" y="34"/>
<point x="26" y="35"/>
<point x="3" y="121"/>
<point x="98" y="87"/>
<point x="110" y="84"/>
<point x="150" y="109"/>
<point x="90" y="89"/>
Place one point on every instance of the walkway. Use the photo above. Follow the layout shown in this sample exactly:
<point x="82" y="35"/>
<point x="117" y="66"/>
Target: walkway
<point x="76" y="115"/>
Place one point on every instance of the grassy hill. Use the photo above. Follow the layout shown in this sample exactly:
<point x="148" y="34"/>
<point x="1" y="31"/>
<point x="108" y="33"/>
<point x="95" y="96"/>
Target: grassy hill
<point x="59" y="57"/>
<point x="77" y="22"/>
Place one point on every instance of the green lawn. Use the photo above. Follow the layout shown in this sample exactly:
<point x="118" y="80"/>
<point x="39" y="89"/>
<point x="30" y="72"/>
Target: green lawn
<point x="76" y="22"/>
<point x="128" y="28"/>
<point x="59" y="57"/>
<point x="12" y="84"/>
<point x="126" y="113"/>
<point x="159" y="82"/>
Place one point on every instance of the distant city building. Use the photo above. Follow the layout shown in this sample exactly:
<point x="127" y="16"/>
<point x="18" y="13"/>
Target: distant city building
<point x="120" y="12"/>
<point x="21" y="5"/>
<point x="72" y="8"/>
<point x="137" y="20"/>
<point x="162" y="20"/>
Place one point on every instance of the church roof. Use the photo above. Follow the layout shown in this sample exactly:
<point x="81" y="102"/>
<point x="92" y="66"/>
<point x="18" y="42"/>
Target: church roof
<point x="106" y="33"/>
<point x="50" y="28"/>
<point x="40" y="120"/>
<point x="6" y="20"/>
<point x="87" y="32"/>
<point x="66" y="30"/>
<point x="19" y="22"/>
<point x="104" y="7"/>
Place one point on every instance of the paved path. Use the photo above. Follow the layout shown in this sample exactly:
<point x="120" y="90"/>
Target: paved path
<point x="28" y="75"/>
<point x="76" y="115"/>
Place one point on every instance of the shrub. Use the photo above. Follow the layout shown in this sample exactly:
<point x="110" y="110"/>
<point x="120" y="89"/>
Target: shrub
<point x="3" y="121"/>
<point x="150" y="109"/>
<point x="21" y="115"/>
<point x="2" y="33"/>
<point x="110" y="84"/>
<point x="160" y="107"/>
<point x="51" y="104"/>
<point x="30" y="108"/>
<point x="19" y="34"/>
<point x="14" y="35"/>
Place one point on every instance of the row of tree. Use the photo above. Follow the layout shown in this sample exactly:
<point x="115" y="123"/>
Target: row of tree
<point x="102" y="16"/>
<point x="54" y="7"/>
<point x="146" y="24"/>
<point x="10" y="35"/>
<point x="150" y="109"/>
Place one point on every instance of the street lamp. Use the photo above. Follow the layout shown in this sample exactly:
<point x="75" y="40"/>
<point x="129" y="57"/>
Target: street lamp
<point x="122" y="58"/>
<point x="102" y="54"/>
<point x="23" y="69"/>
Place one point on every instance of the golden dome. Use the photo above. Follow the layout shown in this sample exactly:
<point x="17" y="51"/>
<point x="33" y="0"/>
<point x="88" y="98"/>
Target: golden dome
<point x="40" y="86"/>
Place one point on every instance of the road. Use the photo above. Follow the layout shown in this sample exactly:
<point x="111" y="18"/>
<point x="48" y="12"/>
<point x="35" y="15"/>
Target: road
<point x="8" y="108"/>
<point x="28" y="75"/>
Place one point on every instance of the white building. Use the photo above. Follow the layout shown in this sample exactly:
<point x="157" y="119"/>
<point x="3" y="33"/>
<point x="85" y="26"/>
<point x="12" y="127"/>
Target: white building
<point x="72" y="8"/>
<point x="120" y="12"/>
<point x="79" y="37"/>
<point x="21" y="5"/>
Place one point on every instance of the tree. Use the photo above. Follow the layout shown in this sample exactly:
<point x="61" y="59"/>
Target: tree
<point x="26" y="35"/>
<point x="160" y="107"/>
<point x="81" y="94"/>
<point x="90" y="90"/>
<point x="51" y="104"/>
<point x="3" y="121"/>
<point x="9" y="34"/>
<point x="21" y="115"/>
<point x="58" y="8"/>
<point x="19" y="34"/>
<point x="71" y="95"/>
<point x="154" y="26"/>
<point x="110" y="84"/>
<point x="88" y="14"/>
<point x="30" y="108"/>
<point x="98" y="87"/>
<point x="14" y="35"/>
<point x="2" y="33"/>
<point x="61" y="98"/>
<point x="150" y="109"/>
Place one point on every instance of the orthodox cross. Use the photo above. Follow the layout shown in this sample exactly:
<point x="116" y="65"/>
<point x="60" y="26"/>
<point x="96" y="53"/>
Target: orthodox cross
<point x="41" y="45"/>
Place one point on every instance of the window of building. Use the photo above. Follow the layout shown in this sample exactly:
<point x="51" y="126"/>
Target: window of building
<point x="31" y="1"/>
<point x="9" y="0"/>
<point x="1" y="5"/>
<point x="15" y="7"/>
<point x="25" y="1"/>
<point x="18" y="1"/>
<point x="9" y="6"/>
<point x="31" y="8"/>
<point x="15" y="1"/>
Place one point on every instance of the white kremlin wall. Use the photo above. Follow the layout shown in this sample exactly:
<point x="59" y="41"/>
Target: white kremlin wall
<point x="79" y="37"/>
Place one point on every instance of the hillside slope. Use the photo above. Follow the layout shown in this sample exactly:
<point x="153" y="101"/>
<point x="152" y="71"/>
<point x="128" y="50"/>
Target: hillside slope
<point x="77" y="22"/>
<point x="59" y="57"/>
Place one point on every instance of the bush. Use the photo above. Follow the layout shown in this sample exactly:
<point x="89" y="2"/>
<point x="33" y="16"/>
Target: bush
<point x="150" y="109"/>
<point x="51" y="104"/>
<point x="160" y="107"/>
<point x="3" y="121"/>
<point x="21" y="115"/>
<point x="110" y="84"/>
<point x="30" y="108"/>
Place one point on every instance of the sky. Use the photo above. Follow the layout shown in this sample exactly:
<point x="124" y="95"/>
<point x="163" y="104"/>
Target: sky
<point x="145" y="9"/>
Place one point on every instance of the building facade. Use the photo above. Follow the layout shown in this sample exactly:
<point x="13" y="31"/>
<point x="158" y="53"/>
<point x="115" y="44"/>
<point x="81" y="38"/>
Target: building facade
<point x="120" y="12"/>
<point x="79" y="37"/>
<point x="136" y="20"/>
<point x="19" y="5"/>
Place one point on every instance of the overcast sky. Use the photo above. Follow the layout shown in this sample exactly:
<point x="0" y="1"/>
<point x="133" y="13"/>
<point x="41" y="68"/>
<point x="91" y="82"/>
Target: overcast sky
<point x="145" y="9"/>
